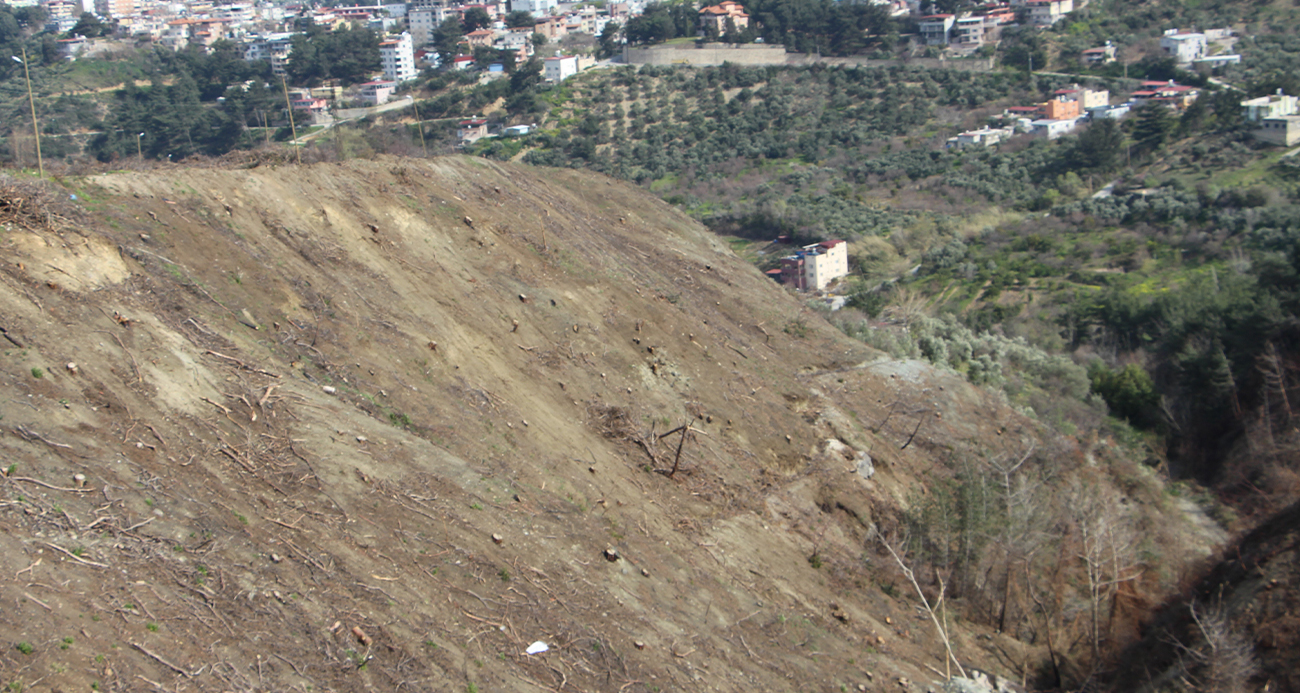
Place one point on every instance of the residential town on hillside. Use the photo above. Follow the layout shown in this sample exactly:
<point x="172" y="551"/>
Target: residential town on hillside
<point x="265" y="31"/>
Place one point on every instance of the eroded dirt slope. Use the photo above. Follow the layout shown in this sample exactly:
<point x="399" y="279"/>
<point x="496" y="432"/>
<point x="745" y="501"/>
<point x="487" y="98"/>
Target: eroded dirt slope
<point x="384" y="424"/>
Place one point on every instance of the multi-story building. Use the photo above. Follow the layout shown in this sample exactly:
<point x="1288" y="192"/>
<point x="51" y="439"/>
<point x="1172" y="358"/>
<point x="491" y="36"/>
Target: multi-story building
<point x="1048" y="12"/>
<point x="377" y="92"/>
<point x="815" y="266"/>
<point x="1183" y="46"/>
<point x="58" y="9"/>
<point x="274" y="48"/>
<point x="553" y="28"/>
<point x="936" y="29"/>
<point x="517" y="40"/>
<point x="185" y="32"/>
<point x="967" y="32"/>
<point x="421" y="22"/>
<point x="480" y="38"/>
<point x="114" y="9"/>
<point x="559" y="68"/>
<point x="539" y="8"/>
<point x="717" y="16"/>
<point x="397" y="55"/>
<point x="1087" y="98"/>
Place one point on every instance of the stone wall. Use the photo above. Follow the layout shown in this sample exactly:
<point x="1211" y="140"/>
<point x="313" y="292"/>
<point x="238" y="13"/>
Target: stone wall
<point x="749" y="54"/>
<point x="712" y="54"/>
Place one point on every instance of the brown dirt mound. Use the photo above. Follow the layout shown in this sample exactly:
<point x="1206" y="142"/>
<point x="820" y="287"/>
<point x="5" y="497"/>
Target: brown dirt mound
<point x="372" y="426"/>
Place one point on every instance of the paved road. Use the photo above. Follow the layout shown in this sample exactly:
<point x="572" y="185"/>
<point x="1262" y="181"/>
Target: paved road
<point x="344" y="115"/>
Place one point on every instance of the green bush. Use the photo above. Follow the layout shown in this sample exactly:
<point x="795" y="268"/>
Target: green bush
<point x="1129" y="393"/>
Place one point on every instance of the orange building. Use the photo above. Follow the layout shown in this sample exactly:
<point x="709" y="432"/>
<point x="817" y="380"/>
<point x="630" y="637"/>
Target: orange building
<point x="716" y="16"/>
<point x="1060" y="110"/>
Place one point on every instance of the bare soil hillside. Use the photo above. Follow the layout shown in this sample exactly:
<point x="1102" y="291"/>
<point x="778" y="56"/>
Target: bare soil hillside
<point x="383" y="425"/>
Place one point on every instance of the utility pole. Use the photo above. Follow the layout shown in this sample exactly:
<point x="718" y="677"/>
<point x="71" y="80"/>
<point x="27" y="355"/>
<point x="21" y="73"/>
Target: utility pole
<point x="265" y="130"/>
<point x="36" y="130"/>
<point x="419" y="125"/>
<point x="297" y="151"/>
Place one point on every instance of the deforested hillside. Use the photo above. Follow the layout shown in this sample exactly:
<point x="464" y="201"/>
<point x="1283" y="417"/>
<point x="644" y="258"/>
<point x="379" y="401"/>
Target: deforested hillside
<point x="387" y="424"/>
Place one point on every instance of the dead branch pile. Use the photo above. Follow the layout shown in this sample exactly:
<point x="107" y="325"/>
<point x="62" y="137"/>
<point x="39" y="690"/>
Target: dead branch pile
<point x="29" y="206"/>
<point x="612" y="422"/>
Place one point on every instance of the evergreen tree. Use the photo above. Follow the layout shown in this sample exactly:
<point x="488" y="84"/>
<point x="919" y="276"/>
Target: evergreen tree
<point x="1099" y="146"/>
<point x="446" y="39"/>
<point x="608" y="46"/>
<point x="1152" y="127"/>
<point x="90" y="26"/>
<point x="475" y="18"/>
<point x="520" y="19"/>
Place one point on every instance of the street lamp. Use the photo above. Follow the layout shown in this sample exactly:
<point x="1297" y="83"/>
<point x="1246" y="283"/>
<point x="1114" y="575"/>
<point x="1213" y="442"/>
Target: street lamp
<point x="40" y="164"/>
<point x="138" y="151"/>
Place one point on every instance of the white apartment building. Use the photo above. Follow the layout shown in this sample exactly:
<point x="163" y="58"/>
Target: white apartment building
<point x="559" y="68"/>
<point x="539" y="8"/>
<point x="1183" y="47"/>
<point x="397" y="55"/>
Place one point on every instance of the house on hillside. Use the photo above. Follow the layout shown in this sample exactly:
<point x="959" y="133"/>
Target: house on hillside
<point x="480" y="38"/>
<point x="1171" y="94"/>
<point x="982" y="137"/>
<point x="716" y="16"/>
<point x="814" y="267"/>
<point x="378" y="91"/>
<point x="1282" y="130"/>
<point x="1271" y="106"/>
<point x="314" y="110"/>
<point x="1099" y="55"/>
<point x="1087" y="98"/>
<point x="471" y="130"/>
<point x="999" y="14"/>
<point x="1112" y="112"/>
<point x="1052" y="129"/>
<point x="70" y="48"/>
<point x="559" y="68"/>
<point x="553" y="28"/>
